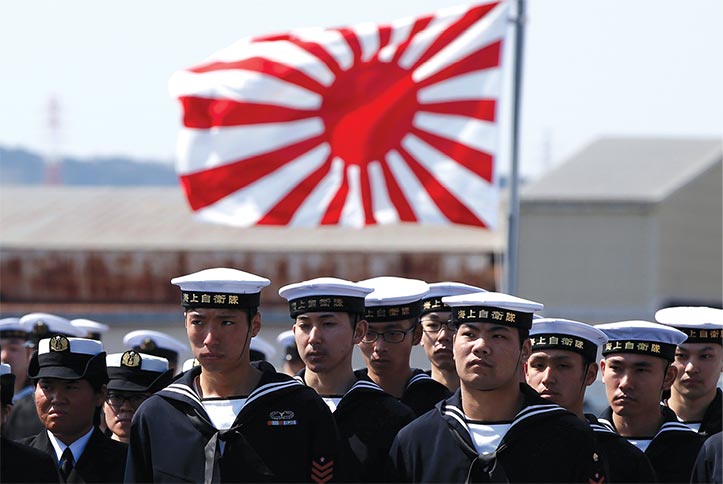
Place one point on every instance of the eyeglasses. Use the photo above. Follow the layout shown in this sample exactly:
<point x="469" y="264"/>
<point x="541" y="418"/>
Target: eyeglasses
<point x="435" y="325"/>
<point x="117" y="400"/>
<point x="394" y="336"/>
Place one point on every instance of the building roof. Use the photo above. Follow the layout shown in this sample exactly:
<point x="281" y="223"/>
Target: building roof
<point x="158" y="218"/>
<point x="638" y="170"/>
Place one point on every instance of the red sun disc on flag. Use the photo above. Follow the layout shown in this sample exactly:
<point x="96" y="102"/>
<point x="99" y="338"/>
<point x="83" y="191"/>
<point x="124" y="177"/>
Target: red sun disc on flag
<point x="353" y="126"/>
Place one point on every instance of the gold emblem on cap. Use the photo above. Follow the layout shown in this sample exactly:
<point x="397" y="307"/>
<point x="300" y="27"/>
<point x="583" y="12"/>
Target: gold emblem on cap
<point x="131" y="359"/>
<point x="40" y="328"/>
<point x="148" y="345"/>
<point x="59" y="343"/>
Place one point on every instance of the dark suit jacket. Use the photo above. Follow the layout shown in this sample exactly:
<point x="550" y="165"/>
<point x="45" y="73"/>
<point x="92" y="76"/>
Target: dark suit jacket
<point x="20" y="463"/>
<point x="23" y="421"/>
<point x="103" y="460"/>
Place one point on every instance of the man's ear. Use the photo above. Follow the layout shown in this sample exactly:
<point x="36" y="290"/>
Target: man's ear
<point x="417" y="334"/>
<point x="100" y="397"/>
<point x="256" y="324"/>
<point x="670" y="374"/>
<point x="526" y="350"/>
<point x="360" y="330"/>
<point x="590" y="374"/>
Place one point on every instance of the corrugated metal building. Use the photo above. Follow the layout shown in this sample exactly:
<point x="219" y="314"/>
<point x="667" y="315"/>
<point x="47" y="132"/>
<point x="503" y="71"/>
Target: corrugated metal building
<point x="623" y="228"/>
<point x="109" y="253"/>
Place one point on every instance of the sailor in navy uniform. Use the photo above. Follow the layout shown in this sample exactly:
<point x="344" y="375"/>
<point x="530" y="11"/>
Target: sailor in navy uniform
<point x="636" y="369"/>
<point x="71" y="376"/>
<point x="437" y="330"/>
<point x="261" y="350"/>
<point x="16" y="352"/>
<point x="494" y="428"/>
<point x="229" y="419"/>
<point x="562" y="364"/>
<point x="328" y="316"/>
<point x="695" y="397"/>
<point x="293" y="363"/>
<point x="18" y="462"/>
<point x="132" y="377"/>
<point x="156" y="343"/>
<point x="708" y="467"/>
<point x="392" y="312"/>
<point x="23" y="421"/>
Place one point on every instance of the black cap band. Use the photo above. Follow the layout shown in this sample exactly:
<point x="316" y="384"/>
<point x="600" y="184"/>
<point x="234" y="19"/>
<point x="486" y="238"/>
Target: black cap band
<point x="489" y="314"/>
<point x="323" y="304"/>
<point x="661" y="350"/>
<point x="14" y="333"/>
<point x="193" y="299"/>
<point x="433" y="304"/>
<point x="136" y="380"/>
<point x="567" y="342"/>
<point x="383" y="314"/>
<point x="698" y="335"/>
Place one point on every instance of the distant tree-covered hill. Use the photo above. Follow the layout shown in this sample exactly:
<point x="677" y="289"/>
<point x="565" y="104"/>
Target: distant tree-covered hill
<point x="22" y="167"/>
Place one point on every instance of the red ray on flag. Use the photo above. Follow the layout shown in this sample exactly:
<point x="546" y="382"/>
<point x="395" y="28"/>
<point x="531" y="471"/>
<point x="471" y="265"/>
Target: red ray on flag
<point x="370" y="124"/>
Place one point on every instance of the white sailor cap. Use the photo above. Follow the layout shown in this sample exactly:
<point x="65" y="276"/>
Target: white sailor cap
<point x="641" y="337"/>
<point x="221" y="287"/>
<point x="260" y="349"/>
<point x="564" y="334"/>
<point x="432" y="301"/>
<point x="492" y="307"/>
<point x="132" y="371"/>
<point x="7" y="384"/>
<point x="288" y="343"/>
<point x="325" y="294"/>
<point x="11" y="328"/>
<point x="93" y="329"/>
<point x="189" y="363"/>
<point x="69" y="359"/>
<point x="44" y="325"/>
<point x="154" y="343"/>
<point x="393" y="298"/>
<point x="701" y="324"/>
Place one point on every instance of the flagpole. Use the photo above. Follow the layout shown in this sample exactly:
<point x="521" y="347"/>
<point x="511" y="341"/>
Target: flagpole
<point x="514" y="208"/>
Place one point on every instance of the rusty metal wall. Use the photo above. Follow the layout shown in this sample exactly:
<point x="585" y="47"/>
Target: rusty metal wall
<point x="142" y="277"/>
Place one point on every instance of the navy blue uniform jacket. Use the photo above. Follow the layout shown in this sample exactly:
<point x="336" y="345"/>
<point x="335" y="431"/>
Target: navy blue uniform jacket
<point x="368" y="419"/>
<point x="284" y="433"/>
<point x="673" y="450"/>
<point x="545" y="443"/>
<point x="622" y="460"/>
<point x="103" y="459"/>
<point x="20" y="463"/>
<point x="422" y="392"/>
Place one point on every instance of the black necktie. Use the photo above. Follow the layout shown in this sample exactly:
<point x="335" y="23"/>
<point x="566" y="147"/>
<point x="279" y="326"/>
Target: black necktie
<point x="66" y="463"/>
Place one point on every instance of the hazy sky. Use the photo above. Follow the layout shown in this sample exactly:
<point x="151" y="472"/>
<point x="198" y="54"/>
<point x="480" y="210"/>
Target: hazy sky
<point x="592" y="67"/>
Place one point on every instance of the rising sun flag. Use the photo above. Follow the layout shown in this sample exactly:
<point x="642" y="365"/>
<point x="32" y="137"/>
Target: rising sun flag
<point x="354" y="126"/>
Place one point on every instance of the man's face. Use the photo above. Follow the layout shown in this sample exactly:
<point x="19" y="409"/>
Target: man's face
<point x="560" y="376"/>
<point x="67" y="407"/>
<point x="326" y="340"/>
<point x="119" y="408"/>
<point x="384" y="357"/>
<point x="634" y="383"/>
<point x="220" y="337"/>
<point x="488" y="356"/>
<point x="699" y="367"/>
<point x="438" y="344"/>
<point x="14" y="353"/>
